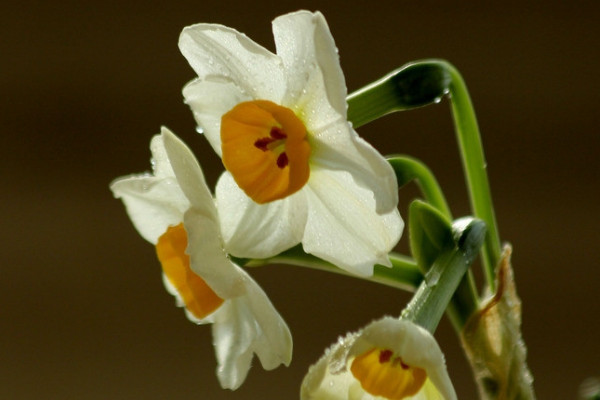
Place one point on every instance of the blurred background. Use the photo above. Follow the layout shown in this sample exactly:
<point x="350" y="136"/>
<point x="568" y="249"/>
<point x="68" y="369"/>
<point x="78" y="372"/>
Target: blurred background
<point x="84" y="86"/>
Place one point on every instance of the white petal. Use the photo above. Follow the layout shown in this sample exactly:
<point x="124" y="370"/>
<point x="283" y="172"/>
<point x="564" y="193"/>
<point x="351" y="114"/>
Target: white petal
<point x="209" y="99"/>
<point x="218" y="51"/>
<point x="250" y="325"/>
<point x="338" y="147"/>
<point x="343" y="227"/>
<point x="153" y="202"/>
<point x="161" y="166"/>
<point x="258" y="230"/>
<point x="232" y="338"/>
<point x="208" y="258"/>
<point x="274" y="346"/>
<point x="315" y="82"/>
<point x="322" y="383"/>
<point x="189" y="174"/>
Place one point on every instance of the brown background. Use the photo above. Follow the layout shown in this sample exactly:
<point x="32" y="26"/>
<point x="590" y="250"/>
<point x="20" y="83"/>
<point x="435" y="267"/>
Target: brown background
<point x="84" y="85"/>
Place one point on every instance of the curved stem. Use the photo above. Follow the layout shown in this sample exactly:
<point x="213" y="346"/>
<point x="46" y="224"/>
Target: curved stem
<point x="442" y="280"/>
<point x="465" y="299"/>
<point x="474" y="165"/>
<point x="404" y="273"/>
<point x="409" y="168"/>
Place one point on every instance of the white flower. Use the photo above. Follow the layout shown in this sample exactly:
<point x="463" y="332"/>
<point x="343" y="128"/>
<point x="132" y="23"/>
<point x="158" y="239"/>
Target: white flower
<point x="173" y="209"/>
<point x="296" y="170"/>
<point x="389" y="359"/>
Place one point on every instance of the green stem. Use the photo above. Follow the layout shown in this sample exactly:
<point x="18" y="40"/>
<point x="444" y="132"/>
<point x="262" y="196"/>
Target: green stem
<point x="474" y="165"/>
<point x="465" y="298"/>
<point x="408" y="169"/>
<point x="404" y="273"/>
<point x="441" y="281"/>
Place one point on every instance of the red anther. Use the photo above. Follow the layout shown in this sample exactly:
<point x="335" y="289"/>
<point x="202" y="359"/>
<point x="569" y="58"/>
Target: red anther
<point x="282" y="160"/>
<point x="277" y="133"/>
<point x="263" y="143"/>
<point x="385" y="356"/>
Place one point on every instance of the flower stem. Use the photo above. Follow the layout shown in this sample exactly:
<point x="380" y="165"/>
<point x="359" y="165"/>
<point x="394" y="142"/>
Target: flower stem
<point x="441" y="281"/>
<point x="404" y="273"/>
<point x="474" y="165"/>
<point x="408" y="169"/>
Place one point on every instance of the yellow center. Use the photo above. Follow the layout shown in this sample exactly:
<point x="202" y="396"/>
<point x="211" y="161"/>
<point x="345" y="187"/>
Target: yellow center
<point x="382" y="374"/>
<point x="266" y="150"/>
<point x="198" y="297"/>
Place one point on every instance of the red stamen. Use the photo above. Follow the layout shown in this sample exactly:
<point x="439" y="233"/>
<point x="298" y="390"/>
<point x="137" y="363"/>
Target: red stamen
<point x="385" y="356"/>
<point x="262" y="143"/>
<point x="277" y="133"/>
<point x="282" y="160"/>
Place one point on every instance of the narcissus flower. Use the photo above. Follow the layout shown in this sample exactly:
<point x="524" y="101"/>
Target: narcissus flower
<point x="174" y="210"/>
<point x="389" y="359"/>
<point x="296" y="170"/>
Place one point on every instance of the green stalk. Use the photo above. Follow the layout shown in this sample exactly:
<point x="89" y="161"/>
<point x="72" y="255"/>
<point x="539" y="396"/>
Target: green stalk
<point x="404" y="273"/>
<point x="408" y="169"/>
<point x="474" y="165"/>
<point x="465" y="299"/>
<point x="441" y="281"/>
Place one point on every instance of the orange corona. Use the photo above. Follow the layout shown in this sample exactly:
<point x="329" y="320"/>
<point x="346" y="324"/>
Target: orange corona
<point x="382" y="374"/>
<point x="265" y="148"/>
<point x="199" y="299"/>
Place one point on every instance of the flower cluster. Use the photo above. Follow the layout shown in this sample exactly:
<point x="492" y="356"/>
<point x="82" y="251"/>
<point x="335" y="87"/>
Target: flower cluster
<point x="296" y="172"/>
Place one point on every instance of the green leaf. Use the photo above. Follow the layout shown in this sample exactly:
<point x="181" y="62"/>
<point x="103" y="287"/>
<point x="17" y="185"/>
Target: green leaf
<point x="430" y="233"/>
